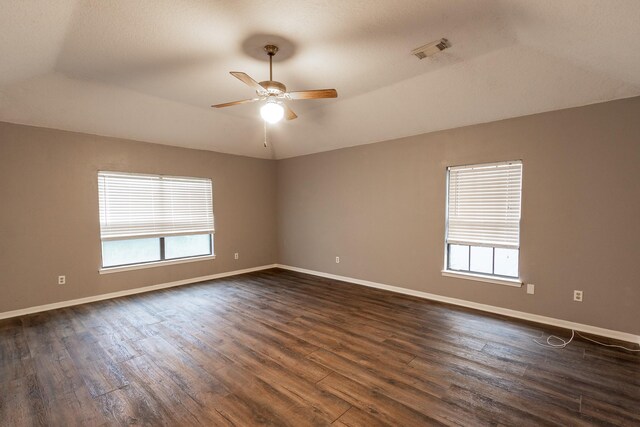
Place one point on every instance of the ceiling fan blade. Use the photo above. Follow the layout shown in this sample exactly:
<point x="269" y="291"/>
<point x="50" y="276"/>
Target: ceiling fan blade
<point x="244" y="78"/>
<point x="314" y="94"/>
<point x="288" y="112"/>
<point x="229" y="104"/>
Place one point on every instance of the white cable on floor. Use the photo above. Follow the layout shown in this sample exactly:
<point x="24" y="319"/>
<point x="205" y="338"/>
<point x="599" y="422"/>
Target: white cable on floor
<point x="552" y="345"/>
<point x="563" y="343"/>
<point x="607" y="345"/>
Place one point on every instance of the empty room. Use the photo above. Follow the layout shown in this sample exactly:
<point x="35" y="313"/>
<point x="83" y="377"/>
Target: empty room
<point x="322" y="212"/>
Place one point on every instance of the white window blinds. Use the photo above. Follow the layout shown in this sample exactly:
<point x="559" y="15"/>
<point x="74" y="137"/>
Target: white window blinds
<point x="136" y="206"/>
<point x="484" y="205"/>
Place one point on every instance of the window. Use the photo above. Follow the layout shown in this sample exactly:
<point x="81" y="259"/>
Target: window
<point x="152" y="218"/>
<point x="483" y="219"/>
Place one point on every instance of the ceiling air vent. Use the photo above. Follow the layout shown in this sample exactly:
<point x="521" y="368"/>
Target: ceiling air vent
<point x="430" y="49"/>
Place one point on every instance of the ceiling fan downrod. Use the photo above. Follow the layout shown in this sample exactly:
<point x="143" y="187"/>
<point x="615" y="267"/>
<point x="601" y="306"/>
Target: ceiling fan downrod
<point x="271" y="50"/>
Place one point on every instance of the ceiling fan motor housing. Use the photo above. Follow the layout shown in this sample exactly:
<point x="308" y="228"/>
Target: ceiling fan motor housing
<point x="273" y="87"/>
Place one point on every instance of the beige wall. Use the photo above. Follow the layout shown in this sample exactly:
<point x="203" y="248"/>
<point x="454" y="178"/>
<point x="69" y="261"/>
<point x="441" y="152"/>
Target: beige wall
<point x="380" y="207"/>
<point x="49" y="212"/>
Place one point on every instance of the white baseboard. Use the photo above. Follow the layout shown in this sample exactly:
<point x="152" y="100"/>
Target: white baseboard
<point x="622" y="336"/>
<point x="69" y="303"/>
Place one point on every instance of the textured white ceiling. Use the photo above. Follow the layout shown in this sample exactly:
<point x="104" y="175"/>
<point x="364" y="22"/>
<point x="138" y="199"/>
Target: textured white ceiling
<point x="149" y="69"/>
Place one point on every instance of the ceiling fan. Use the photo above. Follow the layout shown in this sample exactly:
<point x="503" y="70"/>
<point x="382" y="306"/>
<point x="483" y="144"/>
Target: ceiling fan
<point x="274" y="93"/>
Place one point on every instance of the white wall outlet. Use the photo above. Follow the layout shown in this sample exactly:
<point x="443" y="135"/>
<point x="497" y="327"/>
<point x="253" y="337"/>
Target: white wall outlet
<point x="236" y="255"/>
<point x="577" y="296"/>
<point x="337" y="260"/>
<point x="531" y="288"/>
<point x="62" y="280"/>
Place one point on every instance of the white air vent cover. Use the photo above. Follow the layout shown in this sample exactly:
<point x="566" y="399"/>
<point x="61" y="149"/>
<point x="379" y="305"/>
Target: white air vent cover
<point x="430" y="49"/>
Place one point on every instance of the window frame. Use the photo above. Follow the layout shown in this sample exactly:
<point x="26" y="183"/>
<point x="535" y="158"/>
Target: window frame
<point x="481" y="273"/>
<point x="470" y="274"/>
<point x="163" y="259"/>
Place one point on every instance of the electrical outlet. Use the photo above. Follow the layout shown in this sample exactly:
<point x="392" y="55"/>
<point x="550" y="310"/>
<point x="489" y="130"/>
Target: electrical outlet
<point x="62" y="280"/>
<point x="531" y="288"/>
<point x="577" y="296"/>
<point x="236" y="255"/>
<point x="337" y="260"/>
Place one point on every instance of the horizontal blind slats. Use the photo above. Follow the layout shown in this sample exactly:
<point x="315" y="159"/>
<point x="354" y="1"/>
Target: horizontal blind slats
<point x="484" y="205"/>
<point x="133" y="205"/>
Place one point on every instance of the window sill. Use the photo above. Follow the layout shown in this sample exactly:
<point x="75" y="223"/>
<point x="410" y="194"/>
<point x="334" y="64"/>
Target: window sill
<point x="480" y="278"/>
<point x="107" y="270"/>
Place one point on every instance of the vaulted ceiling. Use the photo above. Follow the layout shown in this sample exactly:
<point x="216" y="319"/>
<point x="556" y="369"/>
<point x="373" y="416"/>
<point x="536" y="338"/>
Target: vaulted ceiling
<point x="149" y="69"/>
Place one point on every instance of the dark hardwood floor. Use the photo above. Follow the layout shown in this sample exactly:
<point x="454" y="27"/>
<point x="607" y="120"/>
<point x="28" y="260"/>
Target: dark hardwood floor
<point x="282" y="348"/>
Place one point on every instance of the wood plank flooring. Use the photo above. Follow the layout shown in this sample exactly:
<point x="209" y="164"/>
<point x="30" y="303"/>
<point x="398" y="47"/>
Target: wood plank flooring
<point x="282" y="348"/>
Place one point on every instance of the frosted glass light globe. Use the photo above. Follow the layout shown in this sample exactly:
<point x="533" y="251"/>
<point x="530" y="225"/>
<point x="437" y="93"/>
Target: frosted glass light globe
<point x="272" y="112"/>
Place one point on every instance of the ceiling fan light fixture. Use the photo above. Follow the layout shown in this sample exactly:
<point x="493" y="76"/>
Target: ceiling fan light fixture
<point x="272" y="111"/>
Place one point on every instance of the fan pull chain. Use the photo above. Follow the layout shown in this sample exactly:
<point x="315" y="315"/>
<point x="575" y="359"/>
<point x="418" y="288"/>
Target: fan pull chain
<point x="265" y="133"/>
